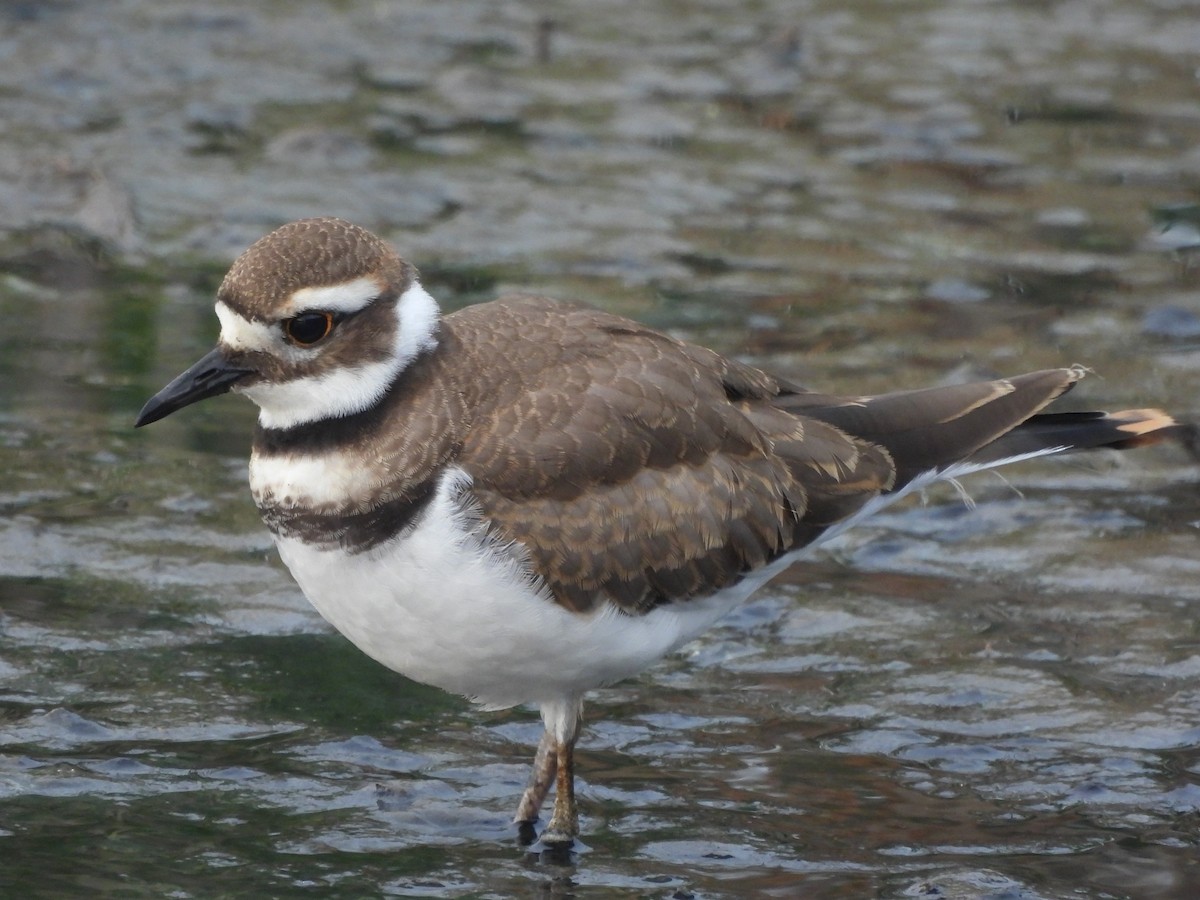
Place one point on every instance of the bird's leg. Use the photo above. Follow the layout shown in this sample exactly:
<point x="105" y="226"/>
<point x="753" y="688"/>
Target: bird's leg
<point x="564" y="822"/>
<point x="562" y="727"/>
<point x="544" y="765"/>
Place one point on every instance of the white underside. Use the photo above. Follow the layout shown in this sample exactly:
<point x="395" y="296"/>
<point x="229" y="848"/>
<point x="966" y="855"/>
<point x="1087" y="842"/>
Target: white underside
<point x="444" y="606"/>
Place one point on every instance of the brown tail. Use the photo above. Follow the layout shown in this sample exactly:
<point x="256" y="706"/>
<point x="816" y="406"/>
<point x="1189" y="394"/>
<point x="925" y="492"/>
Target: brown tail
<point x="982" y="422"/>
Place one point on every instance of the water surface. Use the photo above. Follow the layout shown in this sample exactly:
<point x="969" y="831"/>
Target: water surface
<point x="999" y="701"/>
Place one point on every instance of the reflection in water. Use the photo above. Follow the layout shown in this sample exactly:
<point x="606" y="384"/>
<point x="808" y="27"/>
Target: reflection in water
<point x="990" y="702"/>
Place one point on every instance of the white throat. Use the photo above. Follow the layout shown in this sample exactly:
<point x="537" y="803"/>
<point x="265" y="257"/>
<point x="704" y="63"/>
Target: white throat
<point x="342" y="391"/>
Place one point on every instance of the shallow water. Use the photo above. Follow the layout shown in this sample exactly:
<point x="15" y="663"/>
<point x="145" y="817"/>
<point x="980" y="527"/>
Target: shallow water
<point x="1001" y="701"/>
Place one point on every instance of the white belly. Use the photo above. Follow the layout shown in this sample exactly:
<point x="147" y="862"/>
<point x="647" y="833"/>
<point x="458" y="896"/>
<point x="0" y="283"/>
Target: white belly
<point x="444" y="606"/>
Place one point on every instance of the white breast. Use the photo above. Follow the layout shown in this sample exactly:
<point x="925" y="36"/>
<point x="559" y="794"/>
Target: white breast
<point x="311" y="479"/>
<point x="446" y="606"/>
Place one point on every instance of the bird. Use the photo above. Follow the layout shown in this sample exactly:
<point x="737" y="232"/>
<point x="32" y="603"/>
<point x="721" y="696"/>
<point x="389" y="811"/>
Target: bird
<point x="524" y="500"/>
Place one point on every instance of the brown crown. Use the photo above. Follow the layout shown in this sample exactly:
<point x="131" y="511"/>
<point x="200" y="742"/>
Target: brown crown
<point x="307" y="253"/>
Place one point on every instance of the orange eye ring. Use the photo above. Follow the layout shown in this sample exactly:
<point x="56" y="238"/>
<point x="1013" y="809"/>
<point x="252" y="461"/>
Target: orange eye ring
<point x="308" y="328"/>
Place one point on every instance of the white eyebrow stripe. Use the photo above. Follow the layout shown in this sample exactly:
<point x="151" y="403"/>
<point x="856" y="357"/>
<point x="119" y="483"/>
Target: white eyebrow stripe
<point x="347" y="297"/>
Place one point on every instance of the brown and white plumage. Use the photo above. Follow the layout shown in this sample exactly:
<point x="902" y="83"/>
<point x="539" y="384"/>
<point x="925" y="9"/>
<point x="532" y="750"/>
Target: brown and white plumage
<point x="523" y="500"/>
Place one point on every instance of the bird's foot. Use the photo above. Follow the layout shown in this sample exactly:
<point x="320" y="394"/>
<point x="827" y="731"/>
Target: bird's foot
<point x="558" y="836"/>
<point x="526" y="832"/>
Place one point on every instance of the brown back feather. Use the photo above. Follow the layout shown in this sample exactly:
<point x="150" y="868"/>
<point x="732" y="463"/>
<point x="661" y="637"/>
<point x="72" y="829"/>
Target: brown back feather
<point x="640" y="469"/>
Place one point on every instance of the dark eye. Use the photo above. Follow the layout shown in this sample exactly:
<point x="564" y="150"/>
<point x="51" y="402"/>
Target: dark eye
<point x="308" y="328"/>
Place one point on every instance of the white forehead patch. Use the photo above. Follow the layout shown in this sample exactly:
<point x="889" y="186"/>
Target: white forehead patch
<point x="347" y="297"/>
<point x="240" y="333"/>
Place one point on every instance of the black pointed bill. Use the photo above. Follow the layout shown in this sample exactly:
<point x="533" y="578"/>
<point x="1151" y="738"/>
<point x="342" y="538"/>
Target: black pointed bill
<point x="210" y="376"/>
